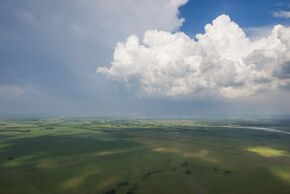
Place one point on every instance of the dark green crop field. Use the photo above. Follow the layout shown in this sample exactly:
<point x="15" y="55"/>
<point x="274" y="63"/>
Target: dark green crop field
<point x="70" y="156"/>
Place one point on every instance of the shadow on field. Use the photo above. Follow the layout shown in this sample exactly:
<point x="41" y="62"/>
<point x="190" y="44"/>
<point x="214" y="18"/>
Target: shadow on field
<point x="172" y="163"/>
<point x="49" y="145"/>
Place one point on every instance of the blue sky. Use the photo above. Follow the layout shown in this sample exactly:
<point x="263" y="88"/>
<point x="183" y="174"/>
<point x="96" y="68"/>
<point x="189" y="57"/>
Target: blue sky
<point x="247" y="13"/>
<point x="50" y="51"/>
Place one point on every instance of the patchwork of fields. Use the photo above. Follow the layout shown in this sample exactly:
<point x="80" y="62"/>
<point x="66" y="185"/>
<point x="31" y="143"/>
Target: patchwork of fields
<point x="103" y="156"/>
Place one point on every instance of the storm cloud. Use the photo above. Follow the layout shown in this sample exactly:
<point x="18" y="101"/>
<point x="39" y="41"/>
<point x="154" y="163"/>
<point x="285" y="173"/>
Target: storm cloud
<point x="50" y="51"/>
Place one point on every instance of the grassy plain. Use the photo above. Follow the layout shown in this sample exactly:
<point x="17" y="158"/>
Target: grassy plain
<point x="59" y="156"/>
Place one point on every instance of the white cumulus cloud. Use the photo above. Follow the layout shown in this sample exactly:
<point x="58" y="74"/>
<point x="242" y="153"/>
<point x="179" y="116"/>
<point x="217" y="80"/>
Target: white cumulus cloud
<point x="221" y="61"/>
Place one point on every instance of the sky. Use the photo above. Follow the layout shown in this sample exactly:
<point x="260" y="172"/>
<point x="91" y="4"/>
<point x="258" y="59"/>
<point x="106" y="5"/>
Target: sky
<point x="144" y="58"/>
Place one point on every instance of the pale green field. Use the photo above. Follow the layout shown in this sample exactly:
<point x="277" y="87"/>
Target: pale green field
<point x="143" y="156"/>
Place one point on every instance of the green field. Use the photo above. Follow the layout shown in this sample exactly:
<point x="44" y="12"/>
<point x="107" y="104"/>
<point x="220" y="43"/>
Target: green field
<point x="96" y="156"/>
